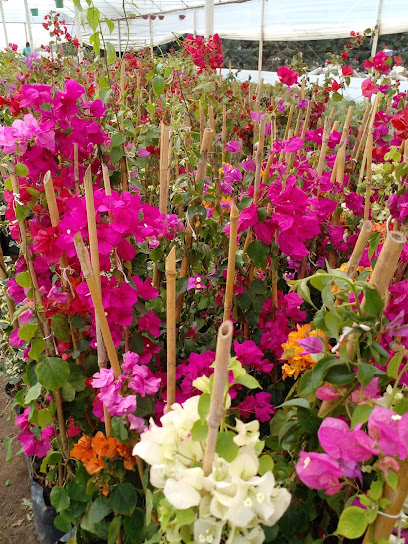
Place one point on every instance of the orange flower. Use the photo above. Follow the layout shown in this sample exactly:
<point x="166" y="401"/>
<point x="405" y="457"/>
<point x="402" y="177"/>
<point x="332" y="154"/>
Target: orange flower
<point x="82" y="449"/>
<point x="94" y="465"/>
<point x="297" y="362"/>
<point x="104" y="447"/>
<point x="380" y="227"/>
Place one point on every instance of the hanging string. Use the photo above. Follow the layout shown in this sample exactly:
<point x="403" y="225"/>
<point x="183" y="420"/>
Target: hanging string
<point x="17" y="200"/>
<point x="189" y="224"/>
<point x="65" y="270"/>
<point x="119" y="265"/>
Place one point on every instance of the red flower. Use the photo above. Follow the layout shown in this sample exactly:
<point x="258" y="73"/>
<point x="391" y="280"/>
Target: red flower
<point x="347" y="71"/>
<point x="400" y="123"/>
<point x="397" y="60"/>
<point x="287" y="76"/>
<point x="344" y="55"/>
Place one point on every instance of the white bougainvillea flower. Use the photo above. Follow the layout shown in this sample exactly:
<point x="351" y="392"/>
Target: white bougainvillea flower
<point x="245" y="465"/>
<point x="248" y="433"/>
<point x="184" y="492"/>
<point x="246" y="536"/>
<point x="208" y="530"/>
<point x="268" y="502"/>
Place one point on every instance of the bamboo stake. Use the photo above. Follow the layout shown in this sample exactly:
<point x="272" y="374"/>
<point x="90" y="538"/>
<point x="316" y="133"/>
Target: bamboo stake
<point x="332" y="112"/>
<point x="292" y="107"/>
<point x="258" y="158"/>
<point x="211" y="118"/>
<point x="76" y="168"/>
<point x="91" y="280"/>
<point x="224" y="131"/>
<point x="307" y="119"/>
<point x="106" y="180"/>
<point x="297" y="128"/>
<point x="369" y="176"/>
<point x="93" y="245"/>
<point x="164" y="167"/>
<point x="231" y="261"/>
<point x="205" y="151"/>
<point x="42" y="319"/>
<point x="222" y="355"/>
<point x="188" y="242"/>
<point x="387" y="262"/>
<point x="302" y="89"/>
<point x="202" y="121"/>
<point x="384" y="524"/>
<point x="369" y="130"/>
<point x="171" y="327"/>
<point x="359" y="248"/>
<point x="325" y="140"/>
<point x="361" y="130"/>
<point x="122" y="79"/>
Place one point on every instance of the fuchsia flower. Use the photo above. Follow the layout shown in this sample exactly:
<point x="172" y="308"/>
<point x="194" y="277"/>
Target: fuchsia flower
<point x="292" y="145"/>
<point x="34" y="441"/>
<point x="342" y="444"/>
<point x="233" y="146"/>
<point x="368" y="88"/>
<point x="287" y="76"/>
<point x="249" y="354"/>
<point x="259" y="405"/>
<point x="150" y="323"/>
<point x="195" y="283"/>
<point x="319" y="471"/>
<point x="312" y="344"/>
<point x="390" y="431"/>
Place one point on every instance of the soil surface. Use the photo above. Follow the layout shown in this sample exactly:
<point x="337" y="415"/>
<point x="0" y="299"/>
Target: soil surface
<point x="16" y="524"/>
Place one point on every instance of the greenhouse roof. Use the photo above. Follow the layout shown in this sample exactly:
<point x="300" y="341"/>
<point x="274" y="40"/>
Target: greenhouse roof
<point x="154" y="22"/>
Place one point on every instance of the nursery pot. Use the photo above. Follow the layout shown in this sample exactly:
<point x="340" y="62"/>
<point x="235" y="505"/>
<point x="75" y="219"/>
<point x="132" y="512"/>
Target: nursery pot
<point x="161" y="17"/>
<point x="182" y="16"/>
<point x="59" y="3"/>
<point x="34" y="12"/>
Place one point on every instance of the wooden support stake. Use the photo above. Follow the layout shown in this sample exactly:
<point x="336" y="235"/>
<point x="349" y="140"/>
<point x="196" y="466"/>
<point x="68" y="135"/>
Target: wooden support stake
<point x="222" y="355"/>
<point x="368" y="177"/>
<point x="211" y="118"/>
<point x="359" y="248"/>
<point x="231" y="261"/>
<point x="205" y="151"/>
<point x="289" y="122"/>
<point x="325" y="140"/>
<point x="259" y="158"/>
<point x="171" y="326"/>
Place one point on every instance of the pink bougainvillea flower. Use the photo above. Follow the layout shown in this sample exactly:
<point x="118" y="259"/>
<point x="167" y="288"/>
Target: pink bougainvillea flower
<point x="150" y="323"/>
<point x="400" y="123"/>
<point x="143" y="152"/>
<point x="259" y="405"/>
<point x="249" y="354"/>
<point x="341" y="443"/>
<point x="292" y="145"/>
<point x="390" y="431"/>
<point x="347" y="71"/>
<point x="319" y="471"/>
<point x="326" y="392"/>
<point x="362" y="395"/>
<point x="368" y="88"/>
<point x="136" y="423"/>
<point x="195" y="283"/>
<point x="312" y="344"/>
<point x="233" y="146"/>
<point x="287" y="76"/>
<point x="144" y="288"/>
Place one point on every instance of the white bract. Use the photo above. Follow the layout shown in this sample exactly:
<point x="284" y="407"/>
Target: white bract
<point x="233" y="501"/>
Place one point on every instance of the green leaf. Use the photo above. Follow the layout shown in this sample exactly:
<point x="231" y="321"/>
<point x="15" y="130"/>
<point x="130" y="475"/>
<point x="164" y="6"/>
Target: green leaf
<point x="340" y="375"/>
<point x="373" y="304"/>
<point x="44" y="418"/>
<point x="110" y="25"/>
<point x="59" y="499"/>
<point x="33" y="393"/>
<point x="333" y="323"/>
<point x="134" y="525"/>
<point x="114" y="530"/>
<point x="67" y="392"/>
<point x="353" y="522"/>
<point x="158" y="85"/>
<point x="392" y="479"/>
<point x="226" y="447"/>
<point x="51" y="460"/>
<point x="185" y="517"/>
<point x="361" y="414"/>
<point x="249" y="381"/>
<point x="93" y="18"/>
<point x="119" y="429"/>
<point x="124" y="498"/>
<point x="394" y="365"/>
<point x="99" y="509"/>
<point x="8" y="442"/>
<point x="266" y="464"/>
<point x="199" y="430"/>
<point x="21" y="212"/>
<point x="310" y="381"/>
<point x="304" y="292"/>
<point x="337" y="97"/>
<point x="320" y="281"/>
<point x="308" y="420"/>
<point x="258" y="252"/>
<point x="37" y="347"/>
<point x="24" y="280"/>
<point x="365" y="373"/>
<point x="21" y="170"/>
<point x="60" y="327"/>
<point x="52" y="373"/>
<point x="96" y="42"/>
<point x="62" y="524"/>
<point x="26" y="332"/>
<point x="104" y="95"/>
<point x="116" y="154"/>
<point x="302" y="403"/>
<point x="110" y="53"/>
<point x="117" y="139"/>
<point x="204" y="406"/>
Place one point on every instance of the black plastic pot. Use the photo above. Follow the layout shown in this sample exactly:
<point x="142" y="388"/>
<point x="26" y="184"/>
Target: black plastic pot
<point x="44" y="514"/>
